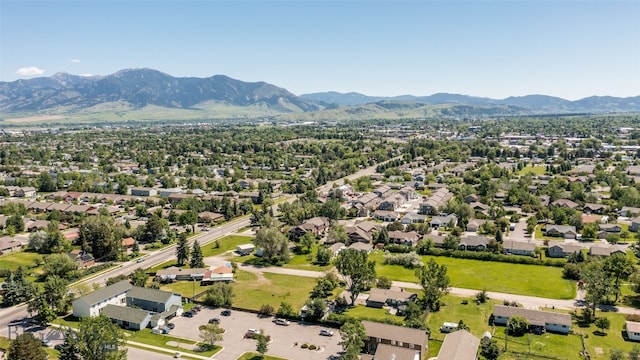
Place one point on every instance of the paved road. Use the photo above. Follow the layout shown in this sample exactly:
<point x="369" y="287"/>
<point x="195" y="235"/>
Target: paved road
<point x="529" y="302"/>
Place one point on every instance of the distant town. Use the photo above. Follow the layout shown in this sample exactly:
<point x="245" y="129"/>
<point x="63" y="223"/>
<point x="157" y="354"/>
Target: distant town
<point x="451" y="238"/>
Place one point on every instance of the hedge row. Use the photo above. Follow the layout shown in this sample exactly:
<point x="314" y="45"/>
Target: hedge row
<point x="489" y="256"/>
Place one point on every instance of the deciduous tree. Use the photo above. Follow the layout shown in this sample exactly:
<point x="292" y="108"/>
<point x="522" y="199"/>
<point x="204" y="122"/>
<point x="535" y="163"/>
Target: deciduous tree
<point x="353" y="335"/>
<point x="359" y="273"/>
<point x="274" y="245"/>
<point x="211" y="333"/>
<point x="435" y="283"/>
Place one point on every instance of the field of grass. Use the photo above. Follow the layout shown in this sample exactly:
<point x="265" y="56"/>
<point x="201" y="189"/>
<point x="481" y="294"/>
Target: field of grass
<point x="252" y="293"/>
<point x="225" y="244"/>
<point x="493" y="276"/>
<point x="535" y="170"/>
<point x="373" y="314"/>
<point x="11" y="261"/>
<point x="146" y="337"/>
<point x="305" y="262"/>
<point x="185" y="288"/>
<point x="256" y="356"/>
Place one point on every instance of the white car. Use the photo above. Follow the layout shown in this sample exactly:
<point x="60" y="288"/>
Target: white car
<point x="326" y="332"/>
<point x="282" y="322"/>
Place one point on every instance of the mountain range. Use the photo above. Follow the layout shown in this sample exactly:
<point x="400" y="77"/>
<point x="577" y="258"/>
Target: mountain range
<point x="135" y="89"/>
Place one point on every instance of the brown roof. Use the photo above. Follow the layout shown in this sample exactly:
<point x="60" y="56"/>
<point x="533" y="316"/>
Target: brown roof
<point x="459" y="345"/>
<point x="381" y="295"/>
<point x="393" y="332"/>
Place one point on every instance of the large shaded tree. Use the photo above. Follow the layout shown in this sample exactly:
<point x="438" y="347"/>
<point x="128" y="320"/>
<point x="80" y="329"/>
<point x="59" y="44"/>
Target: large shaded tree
<point x="359" y="273"/>
<point x="98" y="338"/>
<point x="26" y="346"/>
<point x="197" y="259"/>
<point x="17" y="288"/>
<point x="618" y="266"/>
<point x="182" y="250"/>
<point x="274" y="245"/>
<point x="353" y="335"/>
<point x="435" y="283"/>
<point x="100" y="235"/>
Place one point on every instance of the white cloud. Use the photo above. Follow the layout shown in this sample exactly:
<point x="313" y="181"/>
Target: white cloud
<point x="86" y="75"/>
<point x="30" y="71"/>
<point x="75" y="61"/>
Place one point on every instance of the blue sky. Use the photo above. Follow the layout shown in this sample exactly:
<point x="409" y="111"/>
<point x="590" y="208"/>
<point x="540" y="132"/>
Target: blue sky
<point x="570" y="49"/>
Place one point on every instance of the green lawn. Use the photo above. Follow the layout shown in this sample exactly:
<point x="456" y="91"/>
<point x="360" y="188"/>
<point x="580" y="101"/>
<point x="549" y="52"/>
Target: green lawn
<point x="146" y="337"/>
<point x="11" y="261"/>
<point x="256" y="356"/>
<point x="225" y="244"/>
<point x="252" y="293"/>
<point x="305" y="262"/>
<point x="493" y="276"/>
<point x="185" y="288"/>
<point x="374" y="314"/>
<point x="535" y="170"/>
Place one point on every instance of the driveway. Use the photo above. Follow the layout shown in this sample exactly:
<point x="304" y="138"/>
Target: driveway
<point x="285" y="340"/>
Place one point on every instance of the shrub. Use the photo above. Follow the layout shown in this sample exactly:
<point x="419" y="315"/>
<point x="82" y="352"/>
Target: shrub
<point x="489" y="256"/>
<point x="517" y="326"/>
<point x="312" y="347"/>
<point x="304" y="346"/>
<point x="395" y="248"/>
<point x="409" y="260"/>
<point x="266" y="310"/>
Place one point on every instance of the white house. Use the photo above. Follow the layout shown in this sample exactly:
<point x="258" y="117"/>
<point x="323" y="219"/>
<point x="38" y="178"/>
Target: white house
<point x="91" y="304"/>
<point x="633" y="330"/>
<point x="245" y="249"/>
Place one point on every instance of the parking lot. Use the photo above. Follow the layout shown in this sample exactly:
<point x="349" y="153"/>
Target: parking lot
<point x="285" y="341"/>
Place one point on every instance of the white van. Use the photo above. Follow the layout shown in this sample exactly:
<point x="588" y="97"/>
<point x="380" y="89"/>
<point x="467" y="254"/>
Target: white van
<point x="448" y="327"/>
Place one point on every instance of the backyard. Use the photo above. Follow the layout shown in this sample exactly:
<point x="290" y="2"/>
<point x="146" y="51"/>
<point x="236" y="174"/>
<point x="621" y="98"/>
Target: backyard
<point x="251" y="292"/>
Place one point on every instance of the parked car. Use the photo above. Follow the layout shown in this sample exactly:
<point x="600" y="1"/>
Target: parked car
<point x="46" y="342"/>
<point x="226" y="313"/>
<point x="251" y="333"/>
<point x="196" y="308"/>
<point x="188" y="313"/>
<point x="214" y="321"/>
<point x="282" y="322"/>
<point x="171" y="326"/>
<point x="326" y="332"/>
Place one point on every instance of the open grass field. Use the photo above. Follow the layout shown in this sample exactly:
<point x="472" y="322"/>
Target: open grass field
<point x="508" y="278"/>
<point x="185" y="288"/>
<point x="374" y="314"/>
<point x="225" y="244"/>
<point x="25" y="259"/>
<point x="305" y="262"/>
<point x="146" y="337"/>
<point x="535" y="170"/>
<point x="253" y="292"/>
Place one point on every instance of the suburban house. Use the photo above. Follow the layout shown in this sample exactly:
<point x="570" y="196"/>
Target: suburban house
<point x="221" y="273"/>
<point x="559" y="249"/>
<point x="9" y="244"/>
<point x="82" y="258"/>
<point x="474" y="224"/>
<point x="474" y="243"/>
<point x="436" y="239"/>
<point x="593" y="209"/>
<point x="564" y="231"/>
<point x="565" y="203"/>
<point x="436" y="201"/>
<point x="317" y="226"/>
<point x="91" y="304"/>
<point x="392" y="297"/>
<point x="610" y="228"/>
<point x="413" y="218"/>
<point x="386" y="216"/>
<point x="362" y="231"/>
<point x="360" y="246"/>
<point x="383" y="341"/>
<point x="633" y="330"/>
<point x="527" y="248"/>
<point x="392" y="203"/>
<point x="336" y="248"/>
<point x="635" y="224"/>
<point x="443" y="221"/>
<point x="143" y="191"/>
<point x="606" y="250"/>
<point x="208" y="217"/>
<point x="245" y="249"/>
<point x="404" y="238"/>
<point x="382" y="191"/>
<point x="539" y="321"/>
<point x="176" y="274"/>
<point x="459" y="345"/>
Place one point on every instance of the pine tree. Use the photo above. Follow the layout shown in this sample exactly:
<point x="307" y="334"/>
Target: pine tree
<point x="26" y="346"/>
<point x="182" y="250"/>
<point x="197" y="260"/>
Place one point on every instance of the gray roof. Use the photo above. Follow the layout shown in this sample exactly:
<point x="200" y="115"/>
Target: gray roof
<point x="123" y="313"/>
<point x="535" y="317"/>
<point x="158" y="296"/>
<point x="106" y="293"/>
<point x="394" y="332"/>
<point x="390" y="352"/>
<point x="459" y="345"/>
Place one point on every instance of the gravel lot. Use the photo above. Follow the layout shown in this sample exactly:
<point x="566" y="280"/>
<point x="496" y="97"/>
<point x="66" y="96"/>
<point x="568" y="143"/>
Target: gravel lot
<point x="283" y="338"/>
